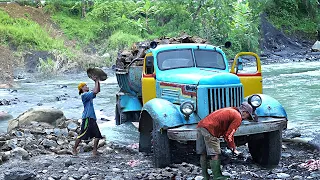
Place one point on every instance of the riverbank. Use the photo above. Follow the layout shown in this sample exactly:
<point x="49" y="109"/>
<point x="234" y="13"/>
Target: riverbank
<point x="51" y="159"/>
<point x="125" y="162"/>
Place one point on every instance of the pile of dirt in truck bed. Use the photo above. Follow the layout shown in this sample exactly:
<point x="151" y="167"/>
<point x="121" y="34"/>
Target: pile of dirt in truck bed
<point x="125" y="57"/>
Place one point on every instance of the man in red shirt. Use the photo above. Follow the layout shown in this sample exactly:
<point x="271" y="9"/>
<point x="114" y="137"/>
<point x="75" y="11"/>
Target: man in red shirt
<point x="220" y="123"/>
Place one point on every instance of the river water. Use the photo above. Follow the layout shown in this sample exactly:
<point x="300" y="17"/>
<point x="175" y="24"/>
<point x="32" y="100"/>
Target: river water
<point x="295" y="85"/>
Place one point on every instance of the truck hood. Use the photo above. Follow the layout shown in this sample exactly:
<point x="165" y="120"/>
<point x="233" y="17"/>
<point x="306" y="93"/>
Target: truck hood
<point x="196" y="76"/>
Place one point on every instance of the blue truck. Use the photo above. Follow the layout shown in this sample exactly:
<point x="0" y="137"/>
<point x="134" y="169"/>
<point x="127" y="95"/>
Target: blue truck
<point x="174" y="86"/>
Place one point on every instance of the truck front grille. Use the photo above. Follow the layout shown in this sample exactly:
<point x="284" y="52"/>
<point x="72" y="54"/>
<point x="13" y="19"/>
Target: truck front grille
<point x="170" y="93"/>
<point x="224" y="97"/>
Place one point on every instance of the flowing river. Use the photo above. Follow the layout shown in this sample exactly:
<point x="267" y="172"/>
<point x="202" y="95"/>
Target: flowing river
<point x="295" y="85"/>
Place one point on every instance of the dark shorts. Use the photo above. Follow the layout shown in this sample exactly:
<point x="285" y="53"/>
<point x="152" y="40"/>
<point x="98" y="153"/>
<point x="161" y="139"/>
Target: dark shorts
<point x="206" y="143"/>
<point x="89" y="129"/>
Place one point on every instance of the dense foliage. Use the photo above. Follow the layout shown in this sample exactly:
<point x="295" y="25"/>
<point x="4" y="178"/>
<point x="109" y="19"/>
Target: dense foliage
<point x="23" y="33"/>
<point x="112" y="25"/>
<point x="216" y="20"/>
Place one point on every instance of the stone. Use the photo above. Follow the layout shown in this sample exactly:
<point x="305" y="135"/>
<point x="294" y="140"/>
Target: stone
<point x="46" y="163"/>
<point x="49" y="143"/>
<point x="97" y="72"/>
<point x="4" y="116"/>
<point x="17" y="173"/>
<point x="116" y="169"/>
<point x="39" y="114"/>
<point x="198" y="178"/>
<point x="60" y="132"/>
<point x="72" y="126"/>
<point x="84" y="177"/>
<point x="286" y="155"/>
<point x="68" y="163"/>
<point x="297" y="178"/>
<point x="316" y="47"/>
<point x="315" y="142"/>
<point x="20" y="153"/>
<point x="283" y="175"/>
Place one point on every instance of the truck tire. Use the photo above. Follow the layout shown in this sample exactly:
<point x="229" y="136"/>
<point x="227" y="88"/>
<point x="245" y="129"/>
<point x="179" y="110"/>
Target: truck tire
<point x="120" y="117"/>
<point x="161" y="148"/>
<point x="267" y="151"/>
<point x="145" y="135"/>
<point x="145" y="142"/>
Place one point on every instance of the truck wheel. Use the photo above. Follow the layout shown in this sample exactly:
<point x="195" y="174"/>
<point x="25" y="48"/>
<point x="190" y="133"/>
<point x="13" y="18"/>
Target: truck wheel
<point x="120" y="117"/>
<point x="161" y="148"/>
<point x="145" y="129"/>
<point x="145" y="142"/>
<point x="267" y="151"/>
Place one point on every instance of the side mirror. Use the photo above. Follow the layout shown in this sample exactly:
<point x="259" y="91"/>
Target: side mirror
<point x="153" y="44"/>
<point x="239" y="64"/>
<point x="227" y="44"/>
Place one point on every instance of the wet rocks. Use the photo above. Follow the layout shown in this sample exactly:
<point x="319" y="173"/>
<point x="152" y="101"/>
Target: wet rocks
<point x="32" y="138"/>
<point x="316" y="47"/>
<point x="62" y="97"/>
<point x="43" y="151"/>
<point x="5" y="116"/>
<point x="19" y="173"/>
<point x="6" y="102"/>
<point x="125" y="162"/>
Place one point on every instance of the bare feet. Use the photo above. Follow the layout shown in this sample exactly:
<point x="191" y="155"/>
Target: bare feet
<point x="95" y="153"/>
<point x="75" y="152"/>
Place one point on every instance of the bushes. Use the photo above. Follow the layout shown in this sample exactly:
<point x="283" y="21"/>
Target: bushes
<point x="121" y="40"/>
<point x="83" y="30"/>
<point x="293" y="16"/>
<point x="22" y="33"/>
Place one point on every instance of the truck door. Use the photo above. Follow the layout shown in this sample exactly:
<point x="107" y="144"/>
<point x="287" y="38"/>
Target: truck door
<point x="250" y="75"/>
<point x="148" y="80"/>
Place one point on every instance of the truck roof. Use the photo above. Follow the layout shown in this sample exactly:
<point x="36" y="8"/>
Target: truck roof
<point x="162" y="47"/>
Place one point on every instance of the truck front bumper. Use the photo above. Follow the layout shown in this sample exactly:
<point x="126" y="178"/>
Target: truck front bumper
<point x="265" y="124"/>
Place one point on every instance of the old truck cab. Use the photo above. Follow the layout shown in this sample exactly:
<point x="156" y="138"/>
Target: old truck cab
<point x="180" y="84"/>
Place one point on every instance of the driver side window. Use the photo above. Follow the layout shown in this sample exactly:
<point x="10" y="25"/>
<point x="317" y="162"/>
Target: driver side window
<point x="149" y="65"/>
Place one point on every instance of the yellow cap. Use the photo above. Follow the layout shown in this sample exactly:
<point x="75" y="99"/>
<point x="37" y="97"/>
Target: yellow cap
<point x="80" y="86"/>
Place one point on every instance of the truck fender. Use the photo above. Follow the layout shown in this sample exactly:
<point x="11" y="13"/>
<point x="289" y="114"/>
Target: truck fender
<point x="128" y="103"/>
<point x="164" y="113"/>
<point x="270" y="107"/>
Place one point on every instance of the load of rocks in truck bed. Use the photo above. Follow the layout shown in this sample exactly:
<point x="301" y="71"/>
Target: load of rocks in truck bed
<point x="125" y="57"/>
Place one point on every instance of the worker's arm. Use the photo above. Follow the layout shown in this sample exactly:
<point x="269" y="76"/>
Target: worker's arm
<point x="96" y="88"/>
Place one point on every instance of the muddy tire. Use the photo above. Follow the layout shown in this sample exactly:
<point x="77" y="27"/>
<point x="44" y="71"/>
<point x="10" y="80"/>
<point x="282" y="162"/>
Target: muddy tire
<point x="267" y="151"/>
<point x="161" y="148"/>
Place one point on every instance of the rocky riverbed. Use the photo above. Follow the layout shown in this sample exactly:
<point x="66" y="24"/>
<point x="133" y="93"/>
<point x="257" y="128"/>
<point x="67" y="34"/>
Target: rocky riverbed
<point x="42" y="150"/>
<point x="125" y="162"/>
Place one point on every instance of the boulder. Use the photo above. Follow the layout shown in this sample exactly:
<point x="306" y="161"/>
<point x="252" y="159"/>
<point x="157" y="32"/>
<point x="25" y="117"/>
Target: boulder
<point x="97" y="72"/>
<point x="51" y="116"/>
<point x="316" y="47"/>
<point x="5" y="116"/>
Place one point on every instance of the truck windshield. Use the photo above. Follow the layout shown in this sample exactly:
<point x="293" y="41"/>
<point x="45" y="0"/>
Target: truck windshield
<point x="209" y="59"/>
<point x="181" y="58"/>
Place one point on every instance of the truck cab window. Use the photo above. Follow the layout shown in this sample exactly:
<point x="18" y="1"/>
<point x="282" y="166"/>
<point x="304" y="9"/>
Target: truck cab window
<point x="149" y="65"/>
<point x="175" y="59"/>
<point x="209" y="59"/>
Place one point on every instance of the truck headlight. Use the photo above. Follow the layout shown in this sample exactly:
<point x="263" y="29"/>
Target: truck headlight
<point x="255" y="100"/>
<point x="187" y="108"/>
